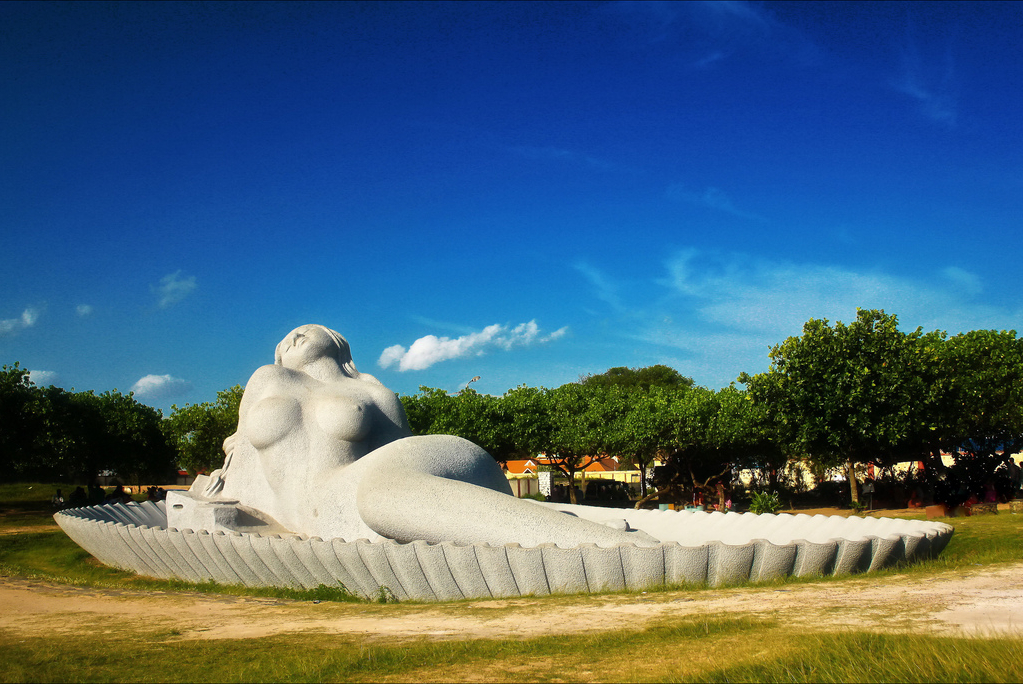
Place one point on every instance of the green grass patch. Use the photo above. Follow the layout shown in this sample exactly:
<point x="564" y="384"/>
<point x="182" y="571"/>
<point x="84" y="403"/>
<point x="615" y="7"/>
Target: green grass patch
<point x="693" y="649"/>
<point x="864" y="657"/>
<point x="162" y="656"/>
<point x="30" y="493"/>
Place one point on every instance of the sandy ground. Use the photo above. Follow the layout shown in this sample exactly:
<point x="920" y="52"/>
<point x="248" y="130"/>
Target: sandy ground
<point x="984" y="601"/>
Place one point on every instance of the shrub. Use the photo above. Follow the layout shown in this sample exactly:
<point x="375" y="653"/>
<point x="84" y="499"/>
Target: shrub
<point x="765" y="502"/>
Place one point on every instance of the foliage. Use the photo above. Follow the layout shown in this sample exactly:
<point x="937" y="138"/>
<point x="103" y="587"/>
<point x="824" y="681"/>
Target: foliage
<point x="198" y="431"/>
<point x="642" y="429"/>
<point x="51" y="433"/>
<point x="479" y="418"/>
<point x="18" y="419"/>
<point x="765" y="502"/>
<point x="975" y="414"/>
<point x="710" y="435"/>
<point x="849" y="393"/>
<point x="639" y="378"/>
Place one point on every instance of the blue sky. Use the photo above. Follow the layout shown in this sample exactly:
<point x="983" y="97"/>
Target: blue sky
<point x="523" y="192"/>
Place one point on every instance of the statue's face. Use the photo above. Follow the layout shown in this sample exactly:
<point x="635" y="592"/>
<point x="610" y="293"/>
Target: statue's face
<point x="305" y="345"/>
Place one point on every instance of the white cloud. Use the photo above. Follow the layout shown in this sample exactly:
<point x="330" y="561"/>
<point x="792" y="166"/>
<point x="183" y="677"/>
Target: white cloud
<point x="43" y="378"/>
<point x="606" y="290"/>
<point x="83" y="310"/>
<point x="160" y="387"/>
<point x="711" y="198"/>
<point x="745" y="293"/>
<point x="932" y="84"/>
<point x="724" y="311"/>
<point x="561" y="154"/>
<point x="12" y="326"/>
<point x="428" y="350"/>
<point x="968" y="282"/>
<point x="173" y="288"/>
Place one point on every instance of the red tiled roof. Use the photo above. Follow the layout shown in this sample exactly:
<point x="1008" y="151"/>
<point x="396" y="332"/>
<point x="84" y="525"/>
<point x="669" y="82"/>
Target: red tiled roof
<point x="531" y="465"/>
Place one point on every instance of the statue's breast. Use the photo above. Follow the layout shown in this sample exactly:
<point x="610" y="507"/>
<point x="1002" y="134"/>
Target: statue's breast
<point x="341" y="418"/>
<point x="272" y="419"/>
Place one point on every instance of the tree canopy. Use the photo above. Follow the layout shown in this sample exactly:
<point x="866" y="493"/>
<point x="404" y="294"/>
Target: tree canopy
<point x="198" y="431"/>
<point x="51" y="433"/>
<point x="642" y="378"/>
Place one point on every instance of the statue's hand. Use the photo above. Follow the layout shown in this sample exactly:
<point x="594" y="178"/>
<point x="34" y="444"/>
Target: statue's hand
<point x="641" y="538"/>
<point x="638" y="537"/>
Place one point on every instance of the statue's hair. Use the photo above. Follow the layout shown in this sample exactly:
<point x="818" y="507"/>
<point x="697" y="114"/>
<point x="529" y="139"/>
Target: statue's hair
<point x="343" y="354"/>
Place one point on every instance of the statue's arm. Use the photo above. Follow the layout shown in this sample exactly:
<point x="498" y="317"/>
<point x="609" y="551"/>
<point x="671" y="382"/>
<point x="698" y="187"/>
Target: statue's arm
<point x="391" y="422"/>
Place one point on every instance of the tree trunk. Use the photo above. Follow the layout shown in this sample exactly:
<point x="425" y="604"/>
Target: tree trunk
<point x="648" y="497"/>
<point x="571" y="487"/>
<point x="854" y="490"/>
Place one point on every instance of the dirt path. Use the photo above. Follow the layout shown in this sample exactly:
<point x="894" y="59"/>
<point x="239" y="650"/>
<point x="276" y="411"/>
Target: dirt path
<point x="984" y="601"/>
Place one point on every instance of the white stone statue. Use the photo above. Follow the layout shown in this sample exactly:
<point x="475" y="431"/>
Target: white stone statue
<point x="324" y="450"/>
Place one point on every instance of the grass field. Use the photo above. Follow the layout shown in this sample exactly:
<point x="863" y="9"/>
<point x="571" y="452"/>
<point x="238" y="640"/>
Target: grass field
<point x="694" y="648"/>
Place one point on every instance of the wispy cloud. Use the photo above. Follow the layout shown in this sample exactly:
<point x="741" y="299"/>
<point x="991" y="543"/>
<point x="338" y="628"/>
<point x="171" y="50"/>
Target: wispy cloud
<point x="662" y="21"/>
<point x="710" y="198"/>
<point x="159" y="387"/>
<point x="43" y="378"/>
<point x="932" y="83"/>
<point x="12" y="326"/>
<point x="969" y="283"/>
<point x="722" y="312"/>
<point x="746" y="293"/>
<point x="562" y="155"/>
<point x="709" y="59"/>
<point x="429" y="350"/>
<point x="706" y="34"/>
<point x="604" y="288"/>
<point x="173" y="288"/>
<point x="83" y="310"/>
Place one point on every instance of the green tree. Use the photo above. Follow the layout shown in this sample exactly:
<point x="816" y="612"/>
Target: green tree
<point x="582" y="420"/>
<point x="53" y="434"/>
<point x="131" y="440"/>
<point x="197" y="431"/>
<point x="479" y="418"/>
<point x="848" y="394"/>
<point x="640" y="378"/>
<point x="19" y="398"/>
<point x="642" y="428"/>
<point x="982" y="398"/>
<point x="975" y="412"/>
<point x="711" y="434"/>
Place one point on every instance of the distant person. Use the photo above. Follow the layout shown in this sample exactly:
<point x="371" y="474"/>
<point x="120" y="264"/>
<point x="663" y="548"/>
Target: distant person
<point x="78" y="498"/>
<point x="118" y="496"/>
<point x="58" y="500"/>
<point x="1015" y="473"/>
<point x="916" y="497"/>
<point x="96" y="494"/>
